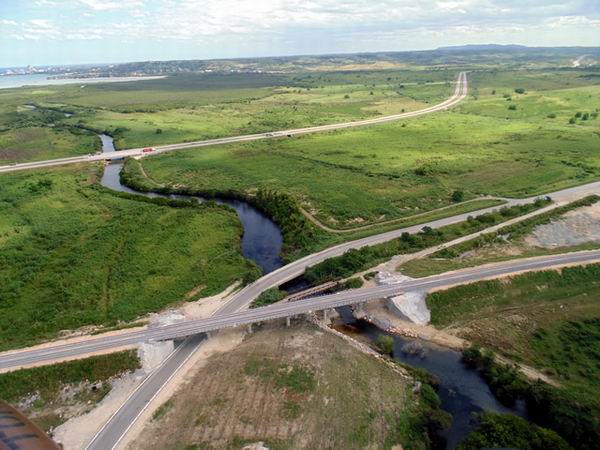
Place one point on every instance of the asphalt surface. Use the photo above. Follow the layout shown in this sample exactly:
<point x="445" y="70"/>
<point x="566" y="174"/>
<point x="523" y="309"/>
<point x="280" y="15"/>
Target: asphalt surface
<point x="459" y="94"/>
<point x="122" y="420"/>
<point x="191" y="327"/>
<point x="297" y="268"/>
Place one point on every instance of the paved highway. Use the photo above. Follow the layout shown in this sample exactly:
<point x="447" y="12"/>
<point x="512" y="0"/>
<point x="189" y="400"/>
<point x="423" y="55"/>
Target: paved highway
<point x="459" y="94"/>
<point x="191" y="327"/>
<point x="117" y="426"/>
<point x="297" y="268"/>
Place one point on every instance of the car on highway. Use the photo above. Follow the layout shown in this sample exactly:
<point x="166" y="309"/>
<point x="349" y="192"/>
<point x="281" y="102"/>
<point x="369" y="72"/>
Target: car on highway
<point x="147" y="149"/>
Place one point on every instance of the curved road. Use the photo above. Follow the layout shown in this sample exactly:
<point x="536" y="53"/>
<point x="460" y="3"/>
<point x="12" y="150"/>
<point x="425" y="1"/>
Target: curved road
<point x="460" y="92"/>
<point x="112" y="432"/>
<point x="280" y="310"/>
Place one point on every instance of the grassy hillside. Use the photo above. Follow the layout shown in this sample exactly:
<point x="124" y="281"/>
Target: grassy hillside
<point x="74" y="254"/>
<point x="548" y="319"/>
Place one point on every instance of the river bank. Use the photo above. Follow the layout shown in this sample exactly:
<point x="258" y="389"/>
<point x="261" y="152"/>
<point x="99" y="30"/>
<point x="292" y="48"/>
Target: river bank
<point x="461" y="390"/>
<point x="262" y="240"/>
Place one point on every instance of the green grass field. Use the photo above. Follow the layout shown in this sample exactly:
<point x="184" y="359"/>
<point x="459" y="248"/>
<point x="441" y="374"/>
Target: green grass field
<point x="549" y="320"/>
<point x="354" y="177"/>
<point x="198" y="106"/>
<point x="75" y="254"/>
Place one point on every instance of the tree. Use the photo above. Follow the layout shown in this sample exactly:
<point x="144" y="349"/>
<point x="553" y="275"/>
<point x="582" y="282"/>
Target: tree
<point x="572" y="120"/>
<point x="551" y="116"/>
<point x="585" y="116"/>
<point x="505" y="430"/>
<point x="158" y="131"/>
<point x="520" y="90"/>
<point x="385" y="344"/>
<point x="578" y="114"/>
<point x="458" y="196"/>
<point x="493" y="91"/>
<point x="512" y="107"/>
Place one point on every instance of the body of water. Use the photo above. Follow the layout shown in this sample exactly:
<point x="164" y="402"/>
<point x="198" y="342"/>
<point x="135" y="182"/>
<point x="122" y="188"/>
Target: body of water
<point x="461" y="390"/>
<point x="262" y="240"/>
<point x="40" y="79"/>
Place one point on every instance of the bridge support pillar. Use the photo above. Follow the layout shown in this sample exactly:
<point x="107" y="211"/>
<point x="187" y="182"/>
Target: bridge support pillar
<point x="359" y="308"/>
<point x="325" y="316"/>
<point x="249" y="328"/>
<point x="208" y="334"/>
<point x="288" y="321"/>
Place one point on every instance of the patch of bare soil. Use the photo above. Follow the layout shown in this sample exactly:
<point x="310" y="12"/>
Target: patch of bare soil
<point x="300" y="386"/>
<point x="577" y="227"/>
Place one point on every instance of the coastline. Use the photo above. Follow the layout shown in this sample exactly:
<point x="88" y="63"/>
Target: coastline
<point x="63" y="81"/>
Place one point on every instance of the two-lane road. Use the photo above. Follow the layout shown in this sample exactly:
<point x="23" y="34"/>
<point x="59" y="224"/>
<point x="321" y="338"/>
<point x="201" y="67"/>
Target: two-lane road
<point x="459" y="94"/>
<point x="188" y="328"/>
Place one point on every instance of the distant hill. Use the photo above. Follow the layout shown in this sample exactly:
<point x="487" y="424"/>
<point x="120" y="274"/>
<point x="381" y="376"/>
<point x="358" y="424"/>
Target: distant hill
<point x="483" y="47"/>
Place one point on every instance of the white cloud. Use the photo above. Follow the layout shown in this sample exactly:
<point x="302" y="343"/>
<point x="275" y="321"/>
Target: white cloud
<point x="108" y="5"/>
<point x="242" y="22"/>
<point x="566" y="21"/>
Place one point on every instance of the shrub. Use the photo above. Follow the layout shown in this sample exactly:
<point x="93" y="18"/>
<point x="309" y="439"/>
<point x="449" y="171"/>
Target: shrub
<point x="551" y="116"/>
<point x="352" y="283"/>
<point x="520" y="90"/>
<point x="268" y="297"/>
<point x="458" y="196"/>
<point x="385" y="344"/>
<point x="512" y="107"/>
<point x="508" y="431"/>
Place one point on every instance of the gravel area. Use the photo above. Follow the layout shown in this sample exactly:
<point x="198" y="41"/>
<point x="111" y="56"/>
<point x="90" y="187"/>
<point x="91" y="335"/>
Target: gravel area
<point x="577" y="227"/>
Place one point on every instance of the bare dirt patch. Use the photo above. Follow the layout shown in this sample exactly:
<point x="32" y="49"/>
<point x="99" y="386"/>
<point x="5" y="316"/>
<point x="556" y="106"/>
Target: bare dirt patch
<point x="300" y="387"/>
<point x="577" y="227"/>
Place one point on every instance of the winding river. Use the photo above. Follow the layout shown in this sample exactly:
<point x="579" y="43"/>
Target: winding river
<point x="262" y="239"/>
<point x="462" y="391"/>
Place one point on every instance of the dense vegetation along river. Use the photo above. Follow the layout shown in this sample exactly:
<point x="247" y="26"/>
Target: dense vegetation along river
<point x="461" y="390"/>
<point x="262" y="238"/>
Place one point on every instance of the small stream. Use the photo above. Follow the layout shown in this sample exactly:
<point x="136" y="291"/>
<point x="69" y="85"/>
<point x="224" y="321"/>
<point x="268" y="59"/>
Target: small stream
<point x="461" y="390"/>
<point x="262" y="239"/>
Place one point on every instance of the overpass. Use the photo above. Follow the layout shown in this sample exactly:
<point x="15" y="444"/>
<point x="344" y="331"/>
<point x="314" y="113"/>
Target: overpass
<point x="19" y="358"/>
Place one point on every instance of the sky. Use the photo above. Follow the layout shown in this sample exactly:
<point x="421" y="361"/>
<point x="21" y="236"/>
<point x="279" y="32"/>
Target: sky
<point x="44" y="32"/>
